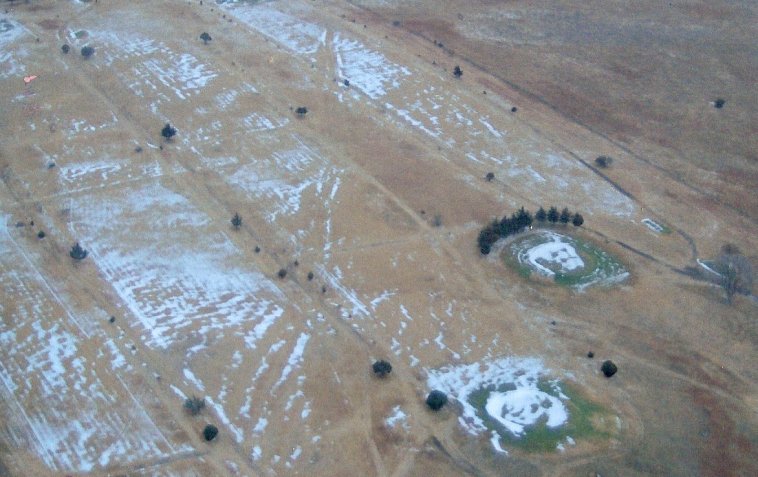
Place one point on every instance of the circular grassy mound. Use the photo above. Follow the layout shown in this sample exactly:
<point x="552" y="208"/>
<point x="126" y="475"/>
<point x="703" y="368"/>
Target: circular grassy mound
<point x="567" y="260"/>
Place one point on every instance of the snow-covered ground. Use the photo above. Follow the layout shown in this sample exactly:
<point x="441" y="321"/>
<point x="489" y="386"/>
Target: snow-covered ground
<point x="10" y="58"/>
<point x="169" y="283"/>
<point x="366" y="69"/>
<point x="514" y="399"/>
<point x="75" y="414"/>
<point x="298" y="36"/>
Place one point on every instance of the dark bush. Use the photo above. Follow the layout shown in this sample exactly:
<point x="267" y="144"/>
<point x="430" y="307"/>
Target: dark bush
<point x="457" y="71"/>
<point x="205" y="37"/>
<point x="257" y="249"/>
<point x="282" y="273"/>
<point x="608" y="368"/>
<point x="88" y="51"/>
<point x="65" y="49"/>
<point x="591" y="354"/>
<point x="210" y="432"/>
<point x="301" y="111"/>
<point x="310" y="276"/>
<point x="382" y="368"/>
<point x="41" y="234"/>
<point x="436" y="400"/>
<point x="236" y="221"/>
<point x="346" y="83"/>
<point x="719" y="103"/>
<point x="77" y="252"/>
<point x="603" y="161"/>
<point x="194" y="405"/>
<point x="578" y="220"/>
<point x="168" y="132"/>
<point x="490" y="176"/>
<point x="514" y="109"/>
<point x="565" y="216"/>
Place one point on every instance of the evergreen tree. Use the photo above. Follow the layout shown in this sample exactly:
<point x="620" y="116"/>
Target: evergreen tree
<point x="210" y="432"/>
<point x="87" y="51"/>
<point x="77" y="252"/>
<point x="552" y="214"/>
<point x="382" y="368"/>
<point x="541" y="215"/>
<point x="436" y="400"/>
<point x="168" y="132"/>
<point x="205" y="37"/>
<point x="578" y="220"/>
<point x="565" y="216"/>
<point x="236" y="221"/>
<point x="457" y="71"/>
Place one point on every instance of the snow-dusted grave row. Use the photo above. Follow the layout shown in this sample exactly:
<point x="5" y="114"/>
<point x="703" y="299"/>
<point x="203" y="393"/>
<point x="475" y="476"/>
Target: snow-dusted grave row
<point x="173" y="270"/>
<point x="56" y="399"/>
<point x="298" y="36"/>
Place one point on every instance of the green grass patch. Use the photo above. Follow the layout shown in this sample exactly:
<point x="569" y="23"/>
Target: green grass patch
<point x="600" y="267"/>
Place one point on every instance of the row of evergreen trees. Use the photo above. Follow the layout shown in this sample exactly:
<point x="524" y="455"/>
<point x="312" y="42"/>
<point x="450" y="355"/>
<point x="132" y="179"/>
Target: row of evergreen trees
<point x="520" y="220"/>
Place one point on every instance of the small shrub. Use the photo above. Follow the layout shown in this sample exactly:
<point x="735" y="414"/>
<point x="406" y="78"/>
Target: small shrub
<point x="77" y="252"/>
<point x="436" y="400"/>
<point x="194" y="405"/>
<point x="301" y="111"/>
<point x="282" y="273"/>
<point x="65" y="49"/>
<point x="257" y="249"/>
<point x="719" y="103"/>
<point x="437" y="221"/>
<point x="310" y="276"/>
<point x="514" y="109"/>
<point x="457" y="71"/>
<point x="590" y="354"/>
<point x="490" y="176"/>
<point x="112" y="319"/>
<point x="210" y="432"/>
<point x="382" y="368"/>
<point x="87" y="51"/>
<point x="578" y="220"/>
<point x="168" y="132"/>
<point x="41" y="234"/>
<point x="346" y="83"/>
<point x="236" y="221"/>
<point x="608" y="368"/>
<point x="603" y="161"/>
<point x="205" y="37"/>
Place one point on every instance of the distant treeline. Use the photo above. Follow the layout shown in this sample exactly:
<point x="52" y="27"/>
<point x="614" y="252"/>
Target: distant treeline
<point x="520" y="220"/>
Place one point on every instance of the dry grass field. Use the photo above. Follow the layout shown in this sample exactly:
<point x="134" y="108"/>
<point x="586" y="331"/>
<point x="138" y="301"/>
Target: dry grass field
<point x="358" y="237"/>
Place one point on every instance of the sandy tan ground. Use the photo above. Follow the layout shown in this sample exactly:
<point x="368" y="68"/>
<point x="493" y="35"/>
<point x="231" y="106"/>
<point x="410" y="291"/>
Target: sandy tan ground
<point x="351" y="192"/>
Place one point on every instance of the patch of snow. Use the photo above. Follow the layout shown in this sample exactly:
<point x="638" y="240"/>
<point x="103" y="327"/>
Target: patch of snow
<point x="397" y="418"/>
<point x="296" y="35"/>
<point x="523" y="407"/>
<point x="294" y="360"/>
<point x="367" y="70"/>
<point x="557" y="251"/>
<point x="257" y="453"/>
